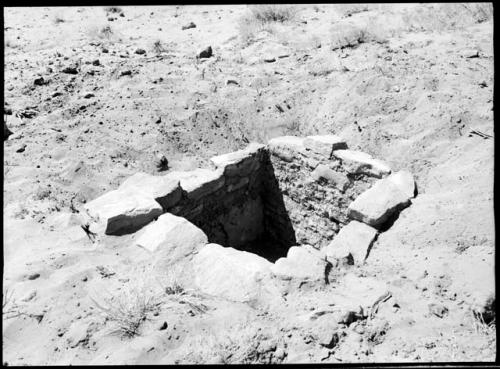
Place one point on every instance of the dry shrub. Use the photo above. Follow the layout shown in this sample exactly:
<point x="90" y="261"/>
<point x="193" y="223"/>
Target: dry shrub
<point x="439" y="17"/>
<point x="348" y="35"/>
<point x="273" y="13"/>
<point x="101" y="32"/>
<point x="128" y="309"/>
<point x="347" y="10"/>
<point x="261" y="18"/>
<point x="159" y="47"/>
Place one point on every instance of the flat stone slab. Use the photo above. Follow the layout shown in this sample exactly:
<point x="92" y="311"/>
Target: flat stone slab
<point x="378" y="203"/>
<point x="405" y="182"/>
<point x="361" y="162"/>
<point x="241" y="162"/>
<point x="173" y="237"/>
<point x="301" y="262"/>
<point x="199" y="182"/>
<point x="355" y="238"/>
<point x="121" y="212"/>
<point x="325" y="144"/>
<point x="230" y="273"/>
<point x="285" y="147"/>
<point x="339" y="180"/>
<point x="165" y="190"/>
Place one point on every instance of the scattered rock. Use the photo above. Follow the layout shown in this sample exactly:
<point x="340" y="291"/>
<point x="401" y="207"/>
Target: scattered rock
<point x="126" y="73"/>
<point x="77" y="333"/>
<point x="269" y="59"/>
<point x="70" y="69"/>
<point x="471" y="54"/>
<point x="229" y="273"/>
<point x="163" y="326"/>
<point x="232" y="82"/>
<point x="89" y="95"/>
<point x="104" y="50"/>
<point x="206" y="53"/>
<point x="241" y="162"/>
<point x="438" y="310"/>
<point x="328" y="339"/>
<point x="189" y="26"/>
<point x="378" y="203"/>
<point x="21" y="148"/>
<point x="104" y="272"/>
<point x="140" y="51"/>
<point x="96" y="62"/>
<point x="324" y="145"/>
<point x="355" y="239"/>
<point x="34" y="276"/>
<point x="286" y="147"/>
<point x="40" y="81"/>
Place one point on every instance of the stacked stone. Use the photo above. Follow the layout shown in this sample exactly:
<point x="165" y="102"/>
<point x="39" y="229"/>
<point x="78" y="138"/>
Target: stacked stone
<point x="214" y="200"/>
<point x="319" y="177"/>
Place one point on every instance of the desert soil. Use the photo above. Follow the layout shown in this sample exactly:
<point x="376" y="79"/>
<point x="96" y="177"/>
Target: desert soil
<point x="410" y="94"/>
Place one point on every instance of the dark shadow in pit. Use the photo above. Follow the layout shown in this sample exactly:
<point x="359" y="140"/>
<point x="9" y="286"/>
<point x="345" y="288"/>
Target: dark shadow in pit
<point x="392" y="219"/>
<point x="278" y="228"/>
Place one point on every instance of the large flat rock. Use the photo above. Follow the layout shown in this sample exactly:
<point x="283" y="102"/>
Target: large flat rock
<point x="355" y="239"/>
<point x="404" y="181"/>
<point x="229" y="273"/>
<point x="164" y="189"/>
<point x="172" y="238"/>
<point x="121" y="212"/>
<point x="302" y="262"/>
<point x="361" y="162"/>
<point x="378" y="203"/>
<point x="325" y="144"/>
<point x="241" y="162"/>
<point x="199" y="182"/>
<point x="286" y="147"/>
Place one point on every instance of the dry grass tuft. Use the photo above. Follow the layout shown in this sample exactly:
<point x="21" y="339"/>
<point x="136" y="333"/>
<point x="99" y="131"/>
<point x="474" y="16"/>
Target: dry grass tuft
<point x="128" y="309"/>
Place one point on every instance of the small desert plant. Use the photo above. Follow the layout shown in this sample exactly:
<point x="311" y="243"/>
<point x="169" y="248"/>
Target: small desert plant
<point x="58" y="19"/>
<point x="129" y="309"/>
<point x="159" y="47"/>
<point x="273" y="13"/>
<point x="113" y="10"/>
<point x="162" y="163"/>
<point x="347" y="10"/>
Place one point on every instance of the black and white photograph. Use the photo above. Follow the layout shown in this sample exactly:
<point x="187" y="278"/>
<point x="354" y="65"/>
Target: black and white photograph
<point x="248" y="184"/>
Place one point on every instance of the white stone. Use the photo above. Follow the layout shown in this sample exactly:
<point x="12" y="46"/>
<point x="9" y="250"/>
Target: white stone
<point x="229" y="273"/>
<point x="164" y="189"/>
<point x="199" y="182"/>
<point x="354" y="238"/>
<point x="405" y="182"/>
<point x="378" y="203"/>
<point x="361" y="162"/>
<point x="241" y="162"/>
<point x="301" y="262"/>
<point x="325" y="144"/>
<point x="339" y="180"/>
<point x="172" y="238"/>
<point x="122" y="211"/>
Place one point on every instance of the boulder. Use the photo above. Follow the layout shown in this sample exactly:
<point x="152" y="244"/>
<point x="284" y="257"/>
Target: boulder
<point x="361" y="162"/>
<point x="324" y="145"/>
<point x="337" y="179"/>
<point x="241" y="162"/>
<point x="355" y="239"/>
<point x="121" y="212"/>
<point x="229" y="273"/>
<point x="302" y="262"/>
<point x="6" y="131"/>
<point x="199" y="182"/>
<point x="405" y="182"/>
<point x="172" y="238"/>
<point x="378" y="203"/>
<point x="164" y="189"/>
<point x="285" y="147"/>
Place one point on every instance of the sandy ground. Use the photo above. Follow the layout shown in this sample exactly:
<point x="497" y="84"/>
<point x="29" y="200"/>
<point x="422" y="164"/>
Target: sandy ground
<point x="409" y="94"/>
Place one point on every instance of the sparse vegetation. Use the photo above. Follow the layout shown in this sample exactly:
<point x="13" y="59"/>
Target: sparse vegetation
<point x="129" y="309"/>
<point x="113" y="10"/>
<point x="159" y="47"/>
<point x="273" y="13"/>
